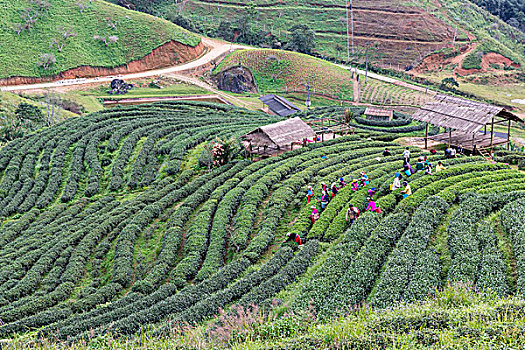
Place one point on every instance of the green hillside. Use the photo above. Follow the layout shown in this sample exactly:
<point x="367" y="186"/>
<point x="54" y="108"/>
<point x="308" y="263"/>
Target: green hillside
<point x="138" y="34"/>
<point x="395" y="32"/>
<point x="279" y="71"/>
<point x="113" y="223"/>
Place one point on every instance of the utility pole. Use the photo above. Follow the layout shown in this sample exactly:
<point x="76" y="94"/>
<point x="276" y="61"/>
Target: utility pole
<point x="366" y="62"/>
<point x="455" y="35"/>
<point x="352" y="24"/>
<point x="347" y="34"/>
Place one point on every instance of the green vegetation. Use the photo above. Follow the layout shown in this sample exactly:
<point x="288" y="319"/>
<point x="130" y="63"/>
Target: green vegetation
<point x="288" y="72"/>
<point x="111" y="227"/>
<point x="472" y="61"/>
<point x="65" y="31"/>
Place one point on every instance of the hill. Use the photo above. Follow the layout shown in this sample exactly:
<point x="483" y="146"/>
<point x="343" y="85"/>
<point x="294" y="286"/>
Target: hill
<point x="109" y="224"/>
<point x="393" y="34"/>
<point x="83" y="33"/>
<point x="285" y="72"/>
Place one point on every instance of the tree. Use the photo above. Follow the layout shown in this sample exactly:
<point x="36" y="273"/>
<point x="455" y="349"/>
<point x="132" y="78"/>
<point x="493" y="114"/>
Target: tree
<point x="47" y="60"/>
<point x="82" y="5"/>
<point x="449" y="84"/>
<point x="52" y="107"/>
<point x="303" y="39"/>
<point x="26" y="111"/>
<point x="61" y="40"/>
<point x="184" y="22"/>
<point x="112" y="23"/>
<point x="107" y="40"/>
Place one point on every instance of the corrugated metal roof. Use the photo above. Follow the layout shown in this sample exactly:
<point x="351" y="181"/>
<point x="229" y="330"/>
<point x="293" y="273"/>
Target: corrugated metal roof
<point x="279" y="105"/>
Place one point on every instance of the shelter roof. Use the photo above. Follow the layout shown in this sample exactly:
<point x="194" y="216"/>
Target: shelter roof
<point x="279" y="105"/>
<point x="377" y="112"/>
<point x="280" y="134"/>
<point x="461" y="114"/>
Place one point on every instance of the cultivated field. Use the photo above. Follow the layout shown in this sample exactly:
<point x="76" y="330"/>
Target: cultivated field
<point x="108" y="225"/>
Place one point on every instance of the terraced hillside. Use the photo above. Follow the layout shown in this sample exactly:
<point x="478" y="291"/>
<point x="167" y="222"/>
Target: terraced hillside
<point x="108" y="226"/>
<point x="66" y="29"/>
<point x="398" y="34"/>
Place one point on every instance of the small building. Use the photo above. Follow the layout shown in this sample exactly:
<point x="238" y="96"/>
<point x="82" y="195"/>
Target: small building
<point x="378" y="114"/>
<point x="277" y="138"/>
<point x="278" y="105"/>
<point x="466" y="123"/>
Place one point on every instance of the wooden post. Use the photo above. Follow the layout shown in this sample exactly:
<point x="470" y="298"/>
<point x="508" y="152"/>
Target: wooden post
<point x="491" y="136"/>
<point x="508" y="135"/>
<point x="485" y="129"/>
<point x="426" y="136"/>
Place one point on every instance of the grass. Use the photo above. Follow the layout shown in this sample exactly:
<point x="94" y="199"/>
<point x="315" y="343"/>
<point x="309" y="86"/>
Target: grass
<point x="458" y="317"/>
<point x="327" y="19"/>
<point x="9" y="102"/>
<point x="286" y="73"/>
<point x="138" y="34"/>
<point x="276" y="70"/>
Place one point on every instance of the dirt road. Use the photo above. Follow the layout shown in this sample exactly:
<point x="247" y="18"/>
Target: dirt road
<point x="215" y="49"/>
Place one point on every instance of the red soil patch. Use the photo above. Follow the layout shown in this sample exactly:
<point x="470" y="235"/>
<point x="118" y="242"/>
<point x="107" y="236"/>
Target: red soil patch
<point x="492" y="58"/>
<point x="487" y="62"/>
<point x="438" y="61"/>
<point x="169" y="54"/>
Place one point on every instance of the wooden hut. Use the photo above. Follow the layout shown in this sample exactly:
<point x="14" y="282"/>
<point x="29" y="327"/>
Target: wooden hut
<point x="277" y="138"/>
<point x="464" y="120"/>
<point x="378" y="114"/>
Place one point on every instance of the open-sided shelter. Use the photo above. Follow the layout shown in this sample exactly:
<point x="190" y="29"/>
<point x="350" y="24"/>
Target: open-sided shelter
<point x="273" y="138"/>
<point x="465" y="120"/>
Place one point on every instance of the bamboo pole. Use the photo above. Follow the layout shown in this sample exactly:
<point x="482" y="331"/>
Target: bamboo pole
<point x="426" y="136"/>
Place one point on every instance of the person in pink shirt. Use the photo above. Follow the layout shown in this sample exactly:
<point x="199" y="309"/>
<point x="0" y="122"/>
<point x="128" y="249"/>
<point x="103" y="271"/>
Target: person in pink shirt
<point x="372" y="206"/>
<point x="315" y="214"/>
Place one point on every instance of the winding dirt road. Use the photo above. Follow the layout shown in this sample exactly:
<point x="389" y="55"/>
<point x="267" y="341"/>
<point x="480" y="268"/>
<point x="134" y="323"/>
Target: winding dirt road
<point x="214" y="50"/>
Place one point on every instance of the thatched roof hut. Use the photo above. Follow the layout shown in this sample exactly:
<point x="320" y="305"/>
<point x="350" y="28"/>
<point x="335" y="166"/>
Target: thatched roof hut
<point x="279" y="135"/>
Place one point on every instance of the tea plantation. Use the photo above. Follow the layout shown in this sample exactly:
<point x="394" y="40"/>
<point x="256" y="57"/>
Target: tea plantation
<point x="108" y="225"/>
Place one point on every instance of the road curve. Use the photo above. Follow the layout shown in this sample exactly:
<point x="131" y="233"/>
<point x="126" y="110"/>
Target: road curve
<point x="215" y="49"/>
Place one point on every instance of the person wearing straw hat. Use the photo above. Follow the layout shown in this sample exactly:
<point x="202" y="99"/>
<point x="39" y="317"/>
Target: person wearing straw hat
<point x="372" y="206"/>
<point x="325" y="199"/>
<point x="293" y="237"/>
